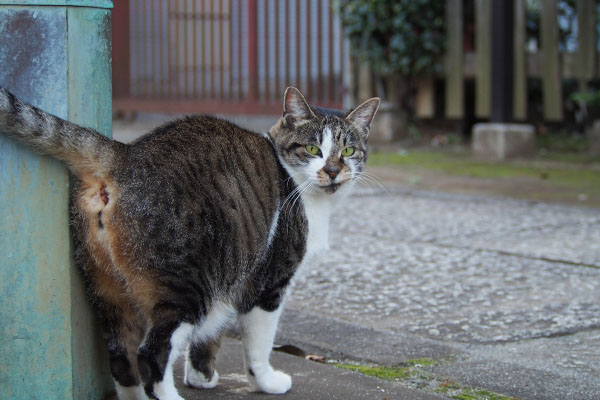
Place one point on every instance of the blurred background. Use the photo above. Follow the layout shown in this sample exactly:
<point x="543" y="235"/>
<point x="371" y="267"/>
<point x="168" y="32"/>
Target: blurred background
<point x="441" y="67"/>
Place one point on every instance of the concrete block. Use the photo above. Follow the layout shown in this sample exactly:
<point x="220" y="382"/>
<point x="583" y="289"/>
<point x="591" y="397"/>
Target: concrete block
<point x="497" y="141"/>
<point x="594" y="138"/>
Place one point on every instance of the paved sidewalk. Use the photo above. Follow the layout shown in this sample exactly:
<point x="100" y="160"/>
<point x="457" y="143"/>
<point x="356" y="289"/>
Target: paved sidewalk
<point x="508" y="290"/>
<point x="310" y="380"/>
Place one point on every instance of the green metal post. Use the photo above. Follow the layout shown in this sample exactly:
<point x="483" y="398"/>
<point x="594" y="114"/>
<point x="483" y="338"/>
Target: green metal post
<point x="55" y="55"/>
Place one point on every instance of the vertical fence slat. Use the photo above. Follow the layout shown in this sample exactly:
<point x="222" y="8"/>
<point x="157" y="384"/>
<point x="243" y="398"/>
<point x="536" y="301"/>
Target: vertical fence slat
<point x="221" y="51"/>
<point x="239" y="49"/>
<point x="286" y="43"/>
<point x="454" y="60"/>
<point x="136" y="50"/>
<point x="144" y="60"/>
<point x="319" y="91"/>
<point x="168" y="88"/>
<point x="343" y="88"/>
<point x="195" y="48"/>
<point x="276" y="56"/>
<point x="177" y="62"/>
<point x="520" y="63"/>
<point x="230" y="47"/>
<point x="121" y="50"/>
<point x="211" y="43"/>
<point x="161" y="67"/>
<point x="331" y="77"/>
<point x="266" y="47"/>
<point x="185" y="49"/>
<point x="203" y="59"/>
<point x="298" y="48"/>
<point x="152" y="52"/>
<point x="252" y="51"/>
<point x="483" y="57"/>
<point x="551" y="79"/>
<point x="424" y="102"/>
<point x="586" y="37"/>
<point x="364" y="82"/>
<point x="308" y="51"/>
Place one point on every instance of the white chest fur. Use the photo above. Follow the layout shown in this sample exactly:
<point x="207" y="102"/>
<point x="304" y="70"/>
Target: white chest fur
<point x="318" y="210"/>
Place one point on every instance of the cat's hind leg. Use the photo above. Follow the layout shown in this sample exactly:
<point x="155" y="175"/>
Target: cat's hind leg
<point x="163" y="344"/>
<point x="120" y="319"/>
<point x="123" y="333"/>
<point x="258" y="333"/>
<point x="200" y="359"/>
<point x="204" y="344"/>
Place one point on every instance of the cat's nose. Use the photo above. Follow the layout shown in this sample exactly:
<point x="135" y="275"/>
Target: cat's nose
<point x="332" y="169"/>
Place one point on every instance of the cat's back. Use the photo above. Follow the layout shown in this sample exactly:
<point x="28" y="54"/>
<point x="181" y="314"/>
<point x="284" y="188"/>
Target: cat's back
<point x="203" y="146"/>
<point x="199" y="180"/>
<point x="202" y="136"/>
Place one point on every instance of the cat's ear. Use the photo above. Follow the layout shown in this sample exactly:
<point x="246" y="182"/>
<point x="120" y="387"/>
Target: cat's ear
<point x="362" y="115"/>
<point x="295" y="108"/>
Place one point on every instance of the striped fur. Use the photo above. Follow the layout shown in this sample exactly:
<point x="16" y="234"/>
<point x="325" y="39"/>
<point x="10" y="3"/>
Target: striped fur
<point x="193" y="224"/>
<point x="84" y="150"/>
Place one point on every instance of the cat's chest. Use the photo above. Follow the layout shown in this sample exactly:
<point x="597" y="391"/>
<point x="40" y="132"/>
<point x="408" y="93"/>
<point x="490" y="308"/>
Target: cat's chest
<point x="317" y="213"/>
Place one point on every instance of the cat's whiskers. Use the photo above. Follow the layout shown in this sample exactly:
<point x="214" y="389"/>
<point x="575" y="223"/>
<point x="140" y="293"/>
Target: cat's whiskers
<point x="294" y="195"/>
<point x="370" y="179"/>
<point x="309" y="187"/>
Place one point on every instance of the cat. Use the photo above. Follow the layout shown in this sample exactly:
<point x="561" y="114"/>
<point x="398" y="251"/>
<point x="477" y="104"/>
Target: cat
<point x="194" y="224"/>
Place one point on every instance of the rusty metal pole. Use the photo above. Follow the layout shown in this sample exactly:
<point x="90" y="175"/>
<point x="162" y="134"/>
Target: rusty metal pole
<point x="55" y="55"/>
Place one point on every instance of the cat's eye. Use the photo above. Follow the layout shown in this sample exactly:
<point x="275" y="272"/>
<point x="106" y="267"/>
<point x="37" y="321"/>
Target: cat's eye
<point x="312" y="149"/>
<point x="348" y="151"/>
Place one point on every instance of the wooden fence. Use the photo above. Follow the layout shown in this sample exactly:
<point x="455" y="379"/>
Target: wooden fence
<point x="544" y="61"/>
<point x="226" y="56"/>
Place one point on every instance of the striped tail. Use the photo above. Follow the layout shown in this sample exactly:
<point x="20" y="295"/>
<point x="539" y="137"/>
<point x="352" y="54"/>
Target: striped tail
<point x="84" y="150"/>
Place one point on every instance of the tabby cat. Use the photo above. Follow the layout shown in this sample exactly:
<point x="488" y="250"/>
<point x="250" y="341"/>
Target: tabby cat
<point x="195" y="224"/>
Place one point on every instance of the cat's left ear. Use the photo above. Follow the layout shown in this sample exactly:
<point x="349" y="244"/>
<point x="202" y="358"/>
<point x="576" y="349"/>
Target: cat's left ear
<point x="362" y="115"/>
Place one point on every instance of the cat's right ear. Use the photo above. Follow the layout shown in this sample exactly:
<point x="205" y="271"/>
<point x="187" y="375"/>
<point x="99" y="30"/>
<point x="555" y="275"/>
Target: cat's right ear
<point x="296" y="110"/>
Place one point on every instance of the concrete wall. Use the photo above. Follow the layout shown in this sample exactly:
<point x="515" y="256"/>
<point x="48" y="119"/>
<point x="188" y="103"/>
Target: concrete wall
<point x="57" y="58"/>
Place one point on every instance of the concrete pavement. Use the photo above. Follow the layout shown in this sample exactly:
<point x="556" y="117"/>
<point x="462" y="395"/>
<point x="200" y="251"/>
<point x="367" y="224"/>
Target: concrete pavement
<point x="508" y="291"/>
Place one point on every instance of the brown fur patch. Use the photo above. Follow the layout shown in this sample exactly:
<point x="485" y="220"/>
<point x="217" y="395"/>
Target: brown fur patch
<point x="108" y="242"/>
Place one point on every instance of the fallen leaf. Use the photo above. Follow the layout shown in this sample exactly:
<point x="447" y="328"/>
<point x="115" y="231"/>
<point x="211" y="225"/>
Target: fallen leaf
<point x="317" y="358"/>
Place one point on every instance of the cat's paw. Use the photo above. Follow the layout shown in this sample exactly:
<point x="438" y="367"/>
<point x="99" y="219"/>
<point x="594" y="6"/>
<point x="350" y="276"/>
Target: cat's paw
<point x="197" y="379"/>
<point x="130" y="392"/>
<point x="272" y="382"/>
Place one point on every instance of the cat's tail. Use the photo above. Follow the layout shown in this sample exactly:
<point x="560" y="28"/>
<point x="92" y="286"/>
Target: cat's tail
<point x="84" y="150"/>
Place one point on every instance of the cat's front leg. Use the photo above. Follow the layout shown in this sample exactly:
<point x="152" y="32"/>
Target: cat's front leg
<point x="258" y="333"/>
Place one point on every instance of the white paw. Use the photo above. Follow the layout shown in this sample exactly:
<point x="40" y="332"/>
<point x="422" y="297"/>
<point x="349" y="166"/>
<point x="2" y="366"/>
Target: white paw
<point x="197" y="379"/>
<point x="272" y="382"/>
<point x="130" y="392"/>
<point x="165" y="390"/>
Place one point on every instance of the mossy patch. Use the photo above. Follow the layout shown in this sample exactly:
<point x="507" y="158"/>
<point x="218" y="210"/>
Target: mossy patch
<point x="477" y="394"/>
<point x="412" y="373"/>
<point x="559" y="179"/>
<point x="387" y="373"/>
<point x="404" y="370"/>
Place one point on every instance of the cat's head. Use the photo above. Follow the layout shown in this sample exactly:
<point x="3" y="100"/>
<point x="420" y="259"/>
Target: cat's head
<point x="323" y="150"/>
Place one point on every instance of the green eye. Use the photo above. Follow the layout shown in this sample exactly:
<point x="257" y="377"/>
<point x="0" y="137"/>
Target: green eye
<point x="348" y="151"/>
<point x="314" y="150"/>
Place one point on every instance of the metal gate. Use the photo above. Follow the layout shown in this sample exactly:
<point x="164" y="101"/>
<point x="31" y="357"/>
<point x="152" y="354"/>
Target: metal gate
<point x="229" y="56"/>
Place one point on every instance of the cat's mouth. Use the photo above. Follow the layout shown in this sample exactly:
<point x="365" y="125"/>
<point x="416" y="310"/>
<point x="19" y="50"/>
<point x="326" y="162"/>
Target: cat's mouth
<point x="331" y="188"/>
